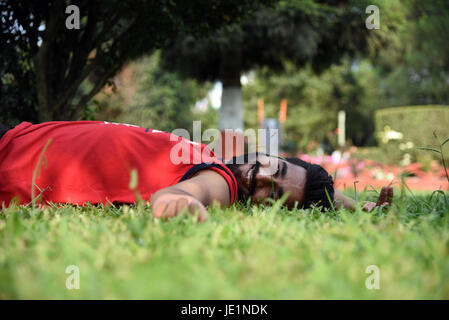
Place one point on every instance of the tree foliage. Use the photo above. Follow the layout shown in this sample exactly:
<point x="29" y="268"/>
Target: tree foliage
<point x="302" y="31"/>
<point x="317" y="33"/>
<point x="159" y="99"/>
<point x="415" y="67"/>
<point x="50" y="72"/>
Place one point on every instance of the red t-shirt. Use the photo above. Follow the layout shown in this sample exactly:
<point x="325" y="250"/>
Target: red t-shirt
<point x="92" y="161"/>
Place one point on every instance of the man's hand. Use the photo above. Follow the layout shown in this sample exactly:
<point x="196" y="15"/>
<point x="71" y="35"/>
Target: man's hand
<point x="170" y="204"/>
<point x="385" y="198"/>
<point x="192" y="195"/>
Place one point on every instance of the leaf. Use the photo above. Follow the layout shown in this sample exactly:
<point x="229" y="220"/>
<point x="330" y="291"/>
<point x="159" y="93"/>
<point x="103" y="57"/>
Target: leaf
<point x="438" y="192"/>
<point x="444" y="142"/>
<point x="430" y="149"/>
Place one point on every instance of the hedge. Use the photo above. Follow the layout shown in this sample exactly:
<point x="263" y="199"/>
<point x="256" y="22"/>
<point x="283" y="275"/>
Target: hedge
<point x="400" y="131"/>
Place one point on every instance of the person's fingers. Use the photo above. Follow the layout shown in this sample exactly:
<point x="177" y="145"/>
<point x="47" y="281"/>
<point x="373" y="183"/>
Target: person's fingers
<point x="384" y="193"/>
<point x="390" y="195"/>
<point x="383" y="196"/>
<point x="369" y="206"/>
<point x="159" y="210"/>
<point x="170" y="211"/>
<point x="200" y="210"/>
<point x="193" y="208"/>
<point x="181" y="205"/>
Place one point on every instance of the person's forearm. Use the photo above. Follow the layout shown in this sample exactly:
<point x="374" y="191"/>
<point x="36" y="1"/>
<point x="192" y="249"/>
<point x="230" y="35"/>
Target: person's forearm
<point x="340" y="200"/>
<point x="385" y="199"/>
<point x="206" y="187"/>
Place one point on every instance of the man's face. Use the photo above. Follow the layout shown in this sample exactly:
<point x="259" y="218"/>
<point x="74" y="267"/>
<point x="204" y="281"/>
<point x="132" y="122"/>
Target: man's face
<point x="264" y="177"/>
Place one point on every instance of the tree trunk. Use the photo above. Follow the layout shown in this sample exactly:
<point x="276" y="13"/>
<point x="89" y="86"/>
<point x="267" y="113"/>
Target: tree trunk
<point x="43" y="69"/>
<point x="231" y="110"/>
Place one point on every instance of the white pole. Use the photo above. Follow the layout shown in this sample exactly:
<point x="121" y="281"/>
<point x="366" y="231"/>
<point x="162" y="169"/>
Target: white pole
<point x="341" y="128"/>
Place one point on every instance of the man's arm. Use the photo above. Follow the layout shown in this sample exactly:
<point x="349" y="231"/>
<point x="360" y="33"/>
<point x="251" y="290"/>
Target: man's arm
<point x="342" y="201"/>
<point x="385" y="197"/>
<point x="204" y="188"/>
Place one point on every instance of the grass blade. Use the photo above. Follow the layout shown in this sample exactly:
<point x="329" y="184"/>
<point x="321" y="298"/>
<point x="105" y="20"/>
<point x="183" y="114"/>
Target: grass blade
<point x="430" y="149"/>
<point x="445" y="141"/>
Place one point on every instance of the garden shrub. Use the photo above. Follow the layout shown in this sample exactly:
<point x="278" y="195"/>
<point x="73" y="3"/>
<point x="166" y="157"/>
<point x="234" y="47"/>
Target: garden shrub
<point x="400" y="131"/>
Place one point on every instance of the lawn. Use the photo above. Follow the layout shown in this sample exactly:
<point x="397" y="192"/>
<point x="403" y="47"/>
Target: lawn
<point x="241" y="252"/>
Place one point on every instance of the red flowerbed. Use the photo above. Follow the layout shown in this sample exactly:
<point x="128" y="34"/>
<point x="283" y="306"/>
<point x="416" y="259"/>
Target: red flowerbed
<point x="347" y="169"/>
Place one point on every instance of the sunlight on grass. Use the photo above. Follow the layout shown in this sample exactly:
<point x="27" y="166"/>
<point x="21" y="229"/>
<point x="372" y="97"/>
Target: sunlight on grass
<point x="241" y="252"/>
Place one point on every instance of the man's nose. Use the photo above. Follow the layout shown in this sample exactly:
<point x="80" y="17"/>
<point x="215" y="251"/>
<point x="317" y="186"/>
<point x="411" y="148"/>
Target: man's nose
<point x="266" y="173"/>
<point x="269" y="167"/>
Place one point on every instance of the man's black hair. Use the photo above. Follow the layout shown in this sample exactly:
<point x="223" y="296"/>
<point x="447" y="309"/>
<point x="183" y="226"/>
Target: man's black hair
<point x="318" y="181"/>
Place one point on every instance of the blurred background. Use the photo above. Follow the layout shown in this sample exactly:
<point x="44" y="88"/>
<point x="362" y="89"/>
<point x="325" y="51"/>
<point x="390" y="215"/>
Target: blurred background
<point x="354" y="88"/>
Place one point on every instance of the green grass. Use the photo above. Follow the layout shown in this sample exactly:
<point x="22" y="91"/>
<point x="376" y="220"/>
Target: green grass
<point x="241" y="252"/>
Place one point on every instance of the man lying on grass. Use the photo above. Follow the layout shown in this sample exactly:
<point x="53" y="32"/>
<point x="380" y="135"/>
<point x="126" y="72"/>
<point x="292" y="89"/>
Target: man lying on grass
<point x="91" y="162"/>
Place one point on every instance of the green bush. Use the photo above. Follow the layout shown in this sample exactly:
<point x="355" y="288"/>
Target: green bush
<point x="401" y="131"/>
<point x="372" y="153"/>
